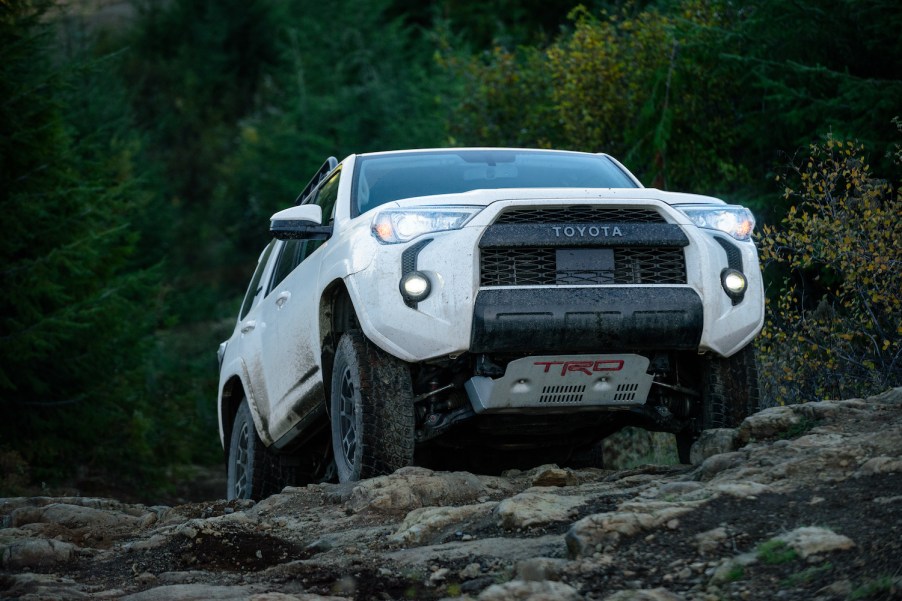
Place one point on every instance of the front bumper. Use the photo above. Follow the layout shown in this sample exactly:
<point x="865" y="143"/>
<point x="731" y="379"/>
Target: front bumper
<point x="586" y="319"/>
<point x="463" y="314"/>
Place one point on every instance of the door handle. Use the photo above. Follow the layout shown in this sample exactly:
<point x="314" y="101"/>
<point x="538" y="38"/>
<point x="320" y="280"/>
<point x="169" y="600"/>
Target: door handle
<point x="248" y="326"/>
<point x="283" y="298"/>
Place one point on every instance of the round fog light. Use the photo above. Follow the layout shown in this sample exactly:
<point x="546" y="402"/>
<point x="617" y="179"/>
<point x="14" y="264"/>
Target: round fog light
<point x="734" y="283"/>
<point x="415" y="286"/>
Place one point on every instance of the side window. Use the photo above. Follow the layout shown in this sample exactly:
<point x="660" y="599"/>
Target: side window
<point x="255" y="288"/>
<point x="325" y="197"/>
<point x="289" y="258"/>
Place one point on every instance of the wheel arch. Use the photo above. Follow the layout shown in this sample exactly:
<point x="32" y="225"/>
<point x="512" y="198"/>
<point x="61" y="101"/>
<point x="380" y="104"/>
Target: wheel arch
<point x="337" y="315"/>
<point x="232" y="394"/>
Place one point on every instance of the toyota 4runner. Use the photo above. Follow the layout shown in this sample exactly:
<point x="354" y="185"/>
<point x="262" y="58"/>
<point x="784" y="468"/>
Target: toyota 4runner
<point x="484" y="308"/>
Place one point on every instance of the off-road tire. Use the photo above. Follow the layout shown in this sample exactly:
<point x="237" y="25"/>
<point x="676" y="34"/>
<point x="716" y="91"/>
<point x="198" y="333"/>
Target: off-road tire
<point x="730" y="393"/>
<point x="253" y="471"/>
<point x="730" y="390"/>
<point x="371" y="409"/>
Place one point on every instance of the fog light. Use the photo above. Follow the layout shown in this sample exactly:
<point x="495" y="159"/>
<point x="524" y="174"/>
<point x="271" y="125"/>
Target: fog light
<point x="734" y="283"/>
<point x="415" y="286"/>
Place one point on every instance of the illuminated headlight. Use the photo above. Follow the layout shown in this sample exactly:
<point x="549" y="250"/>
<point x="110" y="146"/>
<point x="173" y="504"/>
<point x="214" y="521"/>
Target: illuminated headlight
<point x="733" y="220"/>
<point x="392" y="226"/>
<point x="734" y="283"/>
<point x="415" y="286"/>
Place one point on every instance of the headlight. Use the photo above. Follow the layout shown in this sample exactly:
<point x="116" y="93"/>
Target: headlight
<point x="734" y="220"/>
<point x="392" y="226"/>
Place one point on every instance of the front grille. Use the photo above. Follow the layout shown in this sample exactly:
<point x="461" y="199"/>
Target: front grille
<point x="580" y="214"/>
<point x="538" y="267"/>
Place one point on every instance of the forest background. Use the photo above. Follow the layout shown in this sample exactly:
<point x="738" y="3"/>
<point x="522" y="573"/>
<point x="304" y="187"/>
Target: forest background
<point x="144" y="145"/>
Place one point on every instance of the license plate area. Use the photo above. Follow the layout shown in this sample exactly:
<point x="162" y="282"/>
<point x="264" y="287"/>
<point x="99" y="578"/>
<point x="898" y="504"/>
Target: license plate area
<point x="584" y="266"/>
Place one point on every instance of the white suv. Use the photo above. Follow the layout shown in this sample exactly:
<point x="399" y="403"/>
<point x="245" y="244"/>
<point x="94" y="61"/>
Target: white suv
<point x="494" y="306"/>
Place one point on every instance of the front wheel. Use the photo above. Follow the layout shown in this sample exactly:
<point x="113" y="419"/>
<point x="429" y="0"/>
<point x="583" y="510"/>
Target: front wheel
<point x="730" y="393"/>
<point x="372" y="410"/>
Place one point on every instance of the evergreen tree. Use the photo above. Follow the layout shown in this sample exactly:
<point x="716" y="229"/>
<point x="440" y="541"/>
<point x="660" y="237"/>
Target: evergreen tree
<point x="242" y="102"/>
<point x="74" y="314"/>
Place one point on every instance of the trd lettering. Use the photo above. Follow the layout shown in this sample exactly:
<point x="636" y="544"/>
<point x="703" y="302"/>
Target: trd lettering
<point x="585" y="367"/>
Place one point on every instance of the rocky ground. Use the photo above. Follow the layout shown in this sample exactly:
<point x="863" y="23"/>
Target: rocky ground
<point x="800" y="502"/>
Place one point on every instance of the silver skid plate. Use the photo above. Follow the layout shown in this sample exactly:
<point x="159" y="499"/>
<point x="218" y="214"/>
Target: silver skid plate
<point x="564" y="381"/>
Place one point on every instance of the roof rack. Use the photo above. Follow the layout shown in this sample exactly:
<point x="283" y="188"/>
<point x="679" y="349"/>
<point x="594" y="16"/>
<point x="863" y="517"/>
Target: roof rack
<point x="330" y="164"/>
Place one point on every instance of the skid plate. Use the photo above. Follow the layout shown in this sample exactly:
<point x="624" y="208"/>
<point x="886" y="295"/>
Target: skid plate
<point x="564" y="381"/>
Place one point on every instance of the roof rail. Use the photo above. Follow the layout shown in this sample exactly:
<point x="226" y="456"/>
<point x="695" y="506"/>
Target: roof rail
<point x="330" y="164"/>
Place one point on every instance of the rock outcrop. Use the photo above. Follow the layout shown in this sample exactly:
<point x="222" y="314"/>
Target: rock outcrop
<point x="799" y="502"/>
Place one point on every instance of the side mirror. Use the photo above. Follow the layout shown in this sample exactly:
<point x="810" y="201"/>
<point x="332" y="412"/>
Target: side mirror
<point x="303" y="222"/>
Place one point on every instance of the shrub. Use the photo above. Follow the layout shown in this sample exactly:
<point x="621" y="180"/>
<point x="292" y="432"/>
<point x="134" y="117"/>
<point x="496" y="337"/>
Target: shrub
<point x="776" y="552"/>
<point x="637" y="84"/>
<point x="834" y="325"/>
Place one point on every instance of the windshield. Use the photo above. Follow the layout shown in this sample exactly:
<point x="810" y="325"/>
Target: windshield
<point x="388" y="177"/>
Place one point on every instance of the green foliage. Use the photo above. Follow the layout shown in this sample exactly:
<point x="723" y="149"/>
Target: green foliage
<point x="810" y="67"/>
<point x="75" y="310"/>
<point x="872" y="588"/>
<point x="736" y="573"/>
<point x="194" y="68"/>
<point x="634" y="85"/>
<point x="808" y="575"/>
<point x="775" y="552"/>
<point x="242" y="102"/>
<point x="496" y="89"/>
<point x="834" y="326"/>
<point x="800" y="428"/>
<point x="698" y="95"/>
<point x="362" y="86"/>
<point x="485" y="23"/>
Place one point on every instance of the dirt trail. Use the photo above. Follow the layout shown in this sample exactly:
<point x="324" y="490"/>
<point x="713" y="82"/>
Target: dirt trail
<point x="801" y="502"/>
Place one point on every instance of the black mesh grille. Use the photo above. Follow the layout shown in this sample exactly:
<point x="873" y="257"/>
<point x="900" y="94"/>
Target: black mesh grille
<point x="518" y="266"/>
<point x="650" y="266"/>
<point x="581" y="214"/>
<point x="538" y="267"/>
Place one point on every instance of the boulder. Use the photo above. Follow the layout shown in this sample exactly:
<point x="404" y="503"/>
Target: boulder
<point x="552" y="475"/>
<point x="423" y="525"/>
<point x="713" y="442"/>
<point x="101" y="522"/>
<point x="812" y="540"/>
<point x="604" y="530"/>
<point x="413" y="487"/>
<point x="35" y="553"/>
<point x="536" y="507"/>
